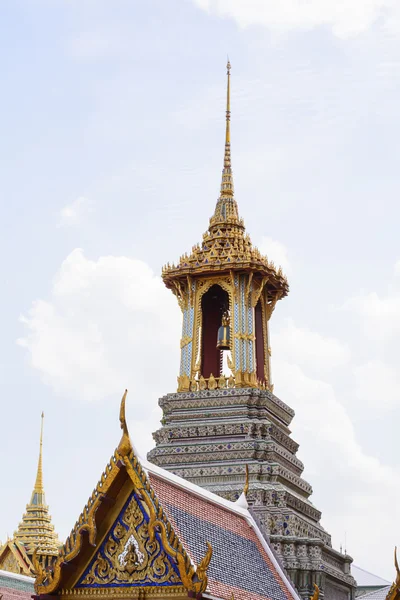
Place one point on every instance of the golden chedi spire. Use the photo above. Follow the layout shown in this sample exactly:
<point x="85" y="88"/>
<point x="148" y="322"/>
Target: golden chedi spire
<point x="38" y="491"/>
<point x="225" y="246"/>
<point x="36" y="532"/>
<point x="226" y="209"/>
<point x="227" y="179"/>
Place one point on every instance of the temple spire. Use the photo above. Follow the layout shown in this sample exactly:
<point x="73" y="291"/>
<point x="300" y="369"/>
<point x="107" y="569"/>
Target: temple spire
<point x="38" y="490"/>
<point x="227" y="158"/>
<point x="227" y="179"/>
<point x="36" y="532"/>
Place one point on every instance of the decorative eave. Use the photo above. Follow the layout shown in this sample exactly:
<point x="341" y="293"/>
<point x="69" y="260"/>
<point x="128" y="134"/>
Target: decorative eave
<point x="123" y="465"/>
<point x="253" y="262"/>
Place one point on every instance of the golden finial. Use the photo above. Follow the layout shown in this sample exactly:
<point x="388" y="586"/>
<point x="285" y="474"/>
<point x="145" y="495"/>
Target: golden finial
<point x="227" y="180"/>
<point x="228" y="107"/>
<point x="246" y="484"/>
<point x="125" y="446"/>
<point x="38" y="489"/>
<point x="315" y="596"/>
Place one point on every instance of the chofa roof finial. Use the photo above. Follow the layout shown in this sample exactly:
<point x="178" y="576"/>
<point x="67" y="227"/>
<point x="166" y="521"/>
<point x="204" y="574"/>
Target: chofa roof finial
<point x="125" y="445"/>
<point x="315" y="596"/>
<point x="246" y="483"/>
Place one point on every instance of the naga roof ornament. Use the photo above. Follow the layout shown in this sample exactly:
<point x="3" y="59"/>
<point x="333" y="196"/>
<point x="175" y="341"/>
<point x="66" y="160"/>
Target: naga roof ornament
<point x="394" y="592"/>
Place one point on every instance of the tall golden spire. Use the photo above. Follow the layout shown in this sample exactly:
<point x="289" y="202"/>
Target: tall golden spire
<point x="226" y="210"/>
<point x="38" y="490"/>
<point x="36" y="530"/>
<point x="227" y="179"/>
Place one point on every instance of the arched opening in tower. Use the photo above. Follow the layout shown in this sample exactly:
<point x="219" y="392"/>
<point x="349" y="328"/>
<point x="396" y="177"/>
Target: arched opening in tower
<point x="260" y="342"/>
<point x="213" y="305"/>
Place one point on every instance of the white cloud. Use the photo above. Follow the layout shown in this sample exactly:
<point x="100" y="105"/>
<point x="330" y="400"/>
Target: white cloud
<point x="277" y="252"/>
<point x="345" y="18"/>
<point x="354" y="490"/>
<point x="379" y="314"/>
<point x="350" y="483"/>
<point x="377" y="385"/>
<point x="308" y="349"/>
<point x="106" y="326"/>
<point x="75" y="212"/>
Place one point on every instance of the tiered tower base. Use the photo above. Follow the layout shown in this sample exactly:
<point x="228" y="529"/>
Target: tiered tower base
<point x="209" y="437"/>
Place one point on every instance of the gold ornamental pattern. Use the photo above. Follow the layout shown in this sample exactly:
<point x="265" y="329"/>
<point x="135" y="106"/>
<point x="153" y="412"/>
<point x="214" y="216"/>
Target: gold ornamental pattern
<point x="128" y="556"/>
<point x="10" y="564"/>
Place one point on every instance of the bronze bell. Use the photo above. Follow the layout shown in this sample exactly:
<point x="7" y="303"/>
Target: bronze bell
<point x="224" y="333"/>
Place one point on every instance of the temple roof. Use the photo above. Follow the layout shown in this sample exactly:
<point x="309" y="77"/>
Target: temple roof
<point x="15" y="587"/>
<point x="366" y="579"/>
<point x="14" y="559"/>
<point x="242" y="563"/>
<point x="205" y="544"/>
<point x="380" y="594"/>
<point x="226" y="246"/>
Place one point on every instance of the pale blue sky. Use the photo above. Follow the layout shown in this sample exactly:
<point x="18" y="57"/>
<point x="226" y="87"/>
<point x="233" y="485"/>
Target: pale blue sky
<point x="112" y="124"/>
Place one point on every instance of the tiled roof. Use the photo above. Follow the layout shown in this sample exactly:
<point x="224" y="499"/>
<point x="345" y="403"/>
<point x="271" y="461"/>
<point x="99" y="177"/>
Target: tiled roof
<point x="377" y="594"/>
<point x="242" y="561"/>
<point x="15" y="587"/>
<point x="366" y="579"/>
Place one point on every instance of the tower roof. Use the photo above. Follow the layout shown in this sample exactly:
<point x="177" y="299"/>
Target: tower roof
<point x="226" y="246"/>
<point x="36" y="530"/>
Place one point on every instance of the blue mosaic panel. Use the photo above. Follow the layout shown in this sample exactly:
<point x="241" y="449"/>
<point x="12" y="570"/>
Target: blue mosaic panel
<point x="250" y="325"/>
<point x="243" y="315"/>
<point x="127" y="558"/>
<point x="251" y="361"/>
<point x="189" y="347"/>
<point x="184" y="328"/>
<point x="236" y="325"/>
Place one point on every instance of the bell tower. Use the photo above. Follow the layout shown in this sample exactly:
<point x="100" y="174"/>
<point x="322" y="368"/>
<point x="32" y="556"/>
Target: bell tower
<point x="227" y="291"/>
<point x="224" y="420"/>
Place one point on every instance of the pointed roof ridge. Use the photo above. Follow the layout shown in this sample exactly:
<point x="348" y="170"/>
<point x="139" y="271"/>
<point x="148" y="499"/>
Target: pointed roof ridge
<point x="378" y="579"/>
<point x="20" y="560"/>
